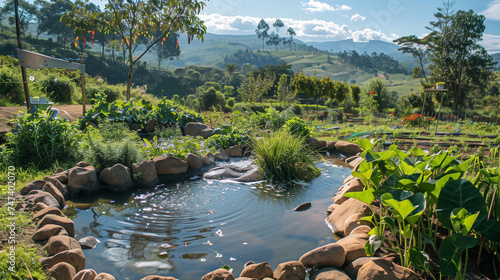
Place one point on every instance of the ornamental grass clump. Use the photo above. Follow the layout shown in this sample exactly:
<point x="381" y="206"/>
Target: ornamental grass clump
<point x="284" y="157"/>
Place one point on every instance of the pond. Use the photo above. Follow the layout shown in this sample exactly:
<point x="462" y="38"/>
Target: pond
<point x="190" y="227"/>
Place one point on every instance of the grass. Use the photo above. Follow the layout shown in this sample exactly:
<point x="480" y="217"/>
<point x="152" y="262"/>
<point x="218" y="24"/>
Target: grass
<point x="284" y="157"/>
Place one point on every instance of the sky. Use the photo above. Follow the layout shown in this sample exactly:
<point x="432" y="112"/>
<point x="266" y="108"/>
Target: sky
<point x="331" y="20"/>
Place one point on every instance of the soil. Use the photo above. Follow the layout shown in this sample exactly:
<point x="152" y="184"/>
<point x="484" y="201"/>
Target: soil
<point x="71" y="112"/>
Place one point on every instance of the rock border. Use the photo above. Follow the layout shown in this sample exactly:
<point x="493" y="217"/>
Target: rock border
<point x="66" y="259"/>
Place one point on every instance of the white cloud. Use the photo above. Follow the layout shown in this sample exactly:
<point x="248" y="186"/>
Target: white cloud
<point x="317" y="6"/>
<point x="357" y="17"/>
<point x="307" y="30"/>
<point x="493" y="10"/>
<point x="491" y="43"/>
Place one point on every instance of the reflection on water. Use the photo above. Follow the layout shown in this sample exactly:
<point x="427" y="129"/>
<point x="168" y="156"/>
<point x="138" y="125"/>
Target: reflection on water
<point x="186" y="229"/>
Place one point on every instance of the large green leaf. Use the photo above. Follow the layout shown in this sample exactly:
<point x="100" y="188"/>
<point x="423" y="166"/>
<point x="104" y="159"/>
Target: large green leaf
<point x="365" y="196"/>
<point x="451" y="250"/>
<point x="419" y="259"/>
<point x="373" y="243"/>
<point x="490" y="229"/>
<point x="462" y="220"/>
<point x="400" y="209"/>
<point x="460" y="194"/>
<point x="418" y="200"/>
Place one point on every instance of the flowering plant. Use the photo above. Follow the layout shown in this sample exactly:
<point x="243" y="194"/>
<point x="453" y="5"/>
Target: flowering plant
<point x="417" y="120"/>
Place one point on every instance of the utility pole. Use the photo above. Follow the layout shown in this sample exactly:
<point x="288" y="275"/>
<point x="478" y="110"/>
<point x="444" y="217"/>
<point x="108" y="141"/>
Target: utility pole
<point x="20" y="46"/>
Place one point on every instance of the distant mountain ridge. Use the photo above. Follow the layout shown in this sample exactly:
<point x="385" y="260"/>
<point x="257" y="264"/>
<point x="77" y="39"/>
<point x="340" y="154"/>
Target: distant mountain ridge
<point x="360" y="47"/>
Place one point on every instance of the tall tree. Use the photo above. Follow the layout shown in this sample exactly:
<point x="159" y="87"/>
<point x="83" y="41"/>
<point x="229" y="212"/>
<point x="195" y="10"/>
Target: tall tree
<point x="231" y="68"/>
<point x="49" y="19"/>
<point x="292" y="33"/>
<point x="278" y="24"/>
<point x="26" y="10"/>
<point x="254" y="86"/>
<point x="262" y="31"/>
<point x="418" y="48"/>
<point x="133" y="19"/>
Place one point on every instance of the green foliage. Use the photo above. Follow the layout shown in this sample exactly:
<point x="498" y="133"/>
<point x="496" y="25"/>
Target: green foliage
<point x="230" y="102"/>
<point x="253" y="87"/>
<point x="11" y="88"/>
<point x="226" y="136"/>
<point x="40" y="141"/>
<point x="298" y="127"/>
<point x="58" y="91"/>
<point x="282" y="156"/>
<point x="112" y="143"/>
<point x="24" y="255"/>
<point x="210" y="97"/>
<point x="417" y="120"/>
<point x="272" y="118"/>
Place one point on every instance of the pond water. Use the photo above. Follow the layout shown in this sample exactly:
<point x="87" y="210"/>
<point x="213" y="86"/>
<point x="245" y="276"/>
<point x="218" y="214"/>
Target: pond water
<point x="190" y="227"/>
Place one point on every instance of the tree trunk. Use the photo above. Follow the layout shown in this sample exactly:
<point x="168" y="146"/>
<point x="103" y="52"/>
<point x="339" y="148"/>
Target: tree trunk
<point x="130" y="71"/>
<point x="103" y="43"/>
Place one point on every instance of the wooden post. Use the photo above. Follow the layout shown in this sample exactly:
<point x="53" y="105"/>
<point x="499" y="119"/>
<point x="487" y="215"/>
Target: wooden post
<point x="82" y="78"/>
<point x="20" y="46"/>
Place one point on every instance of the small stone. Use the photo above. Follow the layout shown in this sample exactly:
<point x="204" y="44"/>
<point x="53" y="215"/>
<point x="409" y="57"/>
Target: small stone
<point x="219" y="274"/>
<point x="302" y="207"/>
<point x="156" y="277"/>
<point x="316" y="144"/>
<point x="258" y="271"/>
<point x="385" y="270"/>
<point x="145" y="174"/>
<point x="338" y="217"/>
<point x="88" y="242"/>
<point x="170" y="165"/>
<point x="47" y="231"/>
<point x="330" y="145"/>
<point x="354" y="185"/>
<point x="234" y="151"/>
<point x="83" y="180"/>
<point x="208" y="159"/>
<point x="150" y="125"/>
<point x="39" y="206"/>
<point x="194" y="161"/>
<point x="61" y="271"/>
<point x="50" y="188"/>
<point x="331" y="255"/>
<point x="329" y="273"/>
<point x="353" y="268"/>
<point x="46" y="198"/>
<point x="117" y="178"/>
<point x="65" y="222"/>
<point x="86" y="274"/>
<point x="330" y="209"/>
<point x="348" y="148"/>
<point x="60" y="243"/>
<point x="221" y="155"/>
<point x="134" y="126"/>
<point x="354" y="246"/>
<point x="33" y="185"/>
<point x="48" y="210"/>
<point x="293" y="270"/>
<point x="353" y="222"/>
<point x="198" y="129"/>
<point x="74" y="257"/>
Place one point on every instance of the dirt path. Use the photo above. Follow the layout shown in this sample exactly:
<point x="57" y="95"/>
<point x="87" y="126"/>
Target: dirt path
<point x="72" y="112"/>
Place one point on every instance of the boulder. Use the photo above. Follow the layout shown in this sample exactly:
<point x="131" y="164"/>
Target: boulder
<point x="61" y="271"/>
<point x="343" y="211"/>
<point x="248" y="278"/>
<point x="330" y="145"/>
<point x="303" y="206"/>
<point x="329" y="273"/>
<point x="198" y="129"/>
<point x="74" y="257"/>
<point x="219" y="274"/>
<point x="354" y="185"/>
<point x="385" y="270"/>
<point x="243" y="171"/>
<point x="221" y="155"/>
<point x="349" y="178"/>
<point x="65" y="222"/>
<point x="50" y="188"/>
<point x="331" y="255"/>
<point x="60" y="243"/>
<point x="353" y="222"/>
<point x="234" y="151"/>
<point x="208" y="159"/>
<point x="330" y="209"/>
<point x="88" y="242"/>
<point x="47" y="231"/>
<point x="83" y="180"/>
<point x="59" y="176"/>
<point x="59" y="185"/>
<point x="355" y="163"/>
<point x="104" y="276"/>
<point x="33" y="185"/>
<point x="47" y="210"/>
<point x="316" y="144"/>
<point x="82" y="164"/>
<point x="39" y="206"/>
<point x="156" y="277"/>
<point x="354" y="247"/>
<point x="134" y="126"/>
<point x="145" y="174"/>
<point x="170" y="165"/>
<point x="86" y="274"/>
<point x="361" y="229"/>
<point x="118" y="178"/>
<point x="293" y="270"/>
<point x="258" y="271"/>
<point x="347" y="147"/>
<point x="194" y="161"/>
<point x="150" y="125"/>
<point x="45" y="198"/>
<point x="353" y="268"/>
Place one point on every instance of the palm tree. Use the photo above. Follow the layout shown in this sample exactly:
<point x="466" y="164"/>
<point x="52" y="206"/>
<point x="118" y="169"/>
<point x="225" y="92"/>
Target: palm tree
<point x="231" y="68"/>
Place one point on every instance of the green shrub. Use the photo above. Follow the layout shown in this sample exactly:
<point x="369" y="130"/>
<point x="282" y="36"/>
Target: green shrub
<point x="11" y="86"/>
<point x="296" y="109"/>
<point x="112" y="143"/>
<point x="284" y="157"/>
<point x="166" y="133"/>
<point x="58" y="91"/>
<point x="298" y="127"/>
<point x="39" y="141"/>
<point x="272" y="119"/>
<point x="230" y="102"/>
